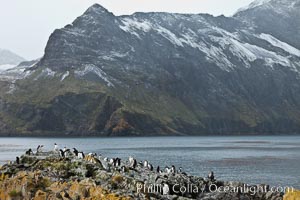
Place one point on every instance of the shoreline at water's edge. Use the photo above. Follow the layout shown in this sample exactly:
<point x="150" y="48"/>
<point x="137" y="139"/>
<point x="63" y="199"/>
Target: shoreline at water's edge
<point x="142" y="136"/>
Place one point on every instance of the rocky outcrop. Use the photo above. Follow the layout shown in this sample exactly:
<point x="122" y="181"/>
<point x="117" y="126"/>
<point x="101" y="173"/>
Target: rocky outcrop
<point x="49" y="176"/>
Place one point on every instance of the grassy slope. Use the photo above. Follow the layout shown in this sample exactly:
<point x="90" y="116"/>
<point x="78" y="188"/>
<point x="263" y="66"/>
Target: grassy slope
<point x="41" y="94"/>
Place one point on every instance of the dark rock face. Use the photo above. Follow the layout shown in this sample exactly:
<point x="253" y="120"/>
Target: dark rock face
<point x="163" y="73"/>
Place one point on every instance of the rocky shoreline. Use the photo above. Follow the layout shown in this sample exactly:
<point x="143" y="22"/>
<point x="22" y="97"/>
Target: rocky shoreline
<point x="69" y="175"/>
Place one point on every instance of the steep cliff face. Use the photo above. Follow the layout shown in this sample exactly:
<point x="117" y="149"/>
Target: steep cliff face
<point x="162" y="73"/>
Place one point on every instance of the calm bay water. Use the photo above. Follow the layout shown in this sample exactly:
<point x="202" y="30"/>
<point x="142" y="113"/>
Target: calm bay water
<point x="273" y="160"/>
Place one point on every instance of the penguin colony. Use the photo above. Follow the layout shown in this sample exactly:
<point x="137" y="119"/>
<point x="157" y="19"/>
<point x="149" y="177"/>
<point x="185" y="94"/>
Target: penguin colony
<point x="106" y="162"/>
<point x="112" y="163"/>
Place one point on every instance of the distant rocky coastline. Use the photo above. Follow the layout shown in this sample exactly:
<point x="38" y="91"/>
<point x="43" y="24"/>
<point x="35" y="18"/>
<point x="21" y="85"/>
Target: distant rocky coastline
<point x="62" y="174"/>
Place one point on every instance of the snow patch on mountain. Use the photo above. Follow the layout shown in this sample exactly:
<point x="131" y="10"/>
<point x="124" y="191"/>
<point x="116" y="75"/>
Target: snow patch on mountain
<point x="248" y="53"/>
<point x="15" y="73"/>
<point x="169" y="36"/>
<point x="217" y="56"/>
<point x="65" y="75"/>
<point x="241" y="51"/>
<point x="192" y="41"/>
<point x="112" y="55"/>
<point x="268" y="56"/>
<point x="19" y="72"/>
<point x="277" y="43"/>
<point x="254" y="4"/>
<point x="132" y="25"/>
<point x="95" y="70"/>
<point x="47" y="72"/>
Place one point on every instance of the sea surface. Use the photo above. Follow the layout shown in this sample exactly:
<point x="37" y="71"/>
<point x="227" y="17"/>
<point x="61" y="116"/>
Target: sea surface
<point x="273" y="160"/>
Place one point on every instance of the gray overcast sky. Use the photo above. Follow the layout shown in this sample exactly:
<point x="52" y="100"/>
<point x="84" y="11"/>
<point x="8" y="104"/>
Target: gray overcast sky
<point x="25" y="25"/>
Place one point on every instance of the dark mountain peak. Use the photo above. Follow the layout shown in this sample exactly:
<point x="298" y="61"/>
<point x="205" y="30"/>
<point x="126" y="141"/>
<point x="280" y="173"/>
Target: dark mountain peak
<point x="94" y="15"/>
<point x="97" y="9"/>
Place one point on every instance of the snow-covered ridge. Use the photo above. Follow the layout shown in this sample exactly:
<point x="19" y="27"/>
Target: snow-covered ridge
<point x="215" y="51"/>
<point x="15" y="73"/>
<point x="249" y="52"/>
<point x="277" y="43"/>
<point x="131" y="24"/>
<point x="281" y="7"/>
<point x="254" y="4"/>
<point x="47" y="72"/>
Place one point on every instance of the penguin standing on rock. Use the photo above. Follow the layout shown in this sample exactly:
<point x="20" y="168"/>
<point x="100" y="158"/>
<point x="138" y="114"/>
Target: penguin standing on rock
<point x="179" y="171"/>
<point x="173" y="169"/>
<point x="62" y="153"/>
<point x="39" y="148"/>
<point x="150" y="167"/>
<point x="117" y="162"/>
<point x="130" y="159"/>
<point x="17" y="160"/>
<point x="81" y="155"/>
<point x="75" y="151"/>
<point x="167" y="170"/>
<point x="97" y="161"/>
<point x="146" y="163"/>
<point x="158" y="169"/>
<point x="67" y="152"/>
<point x="112" y="161"/>
<point x="55" y="147"/>
<point x="211" y="176"/>
<point x="29" y="152"/>
<point x="134" y="163"/>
